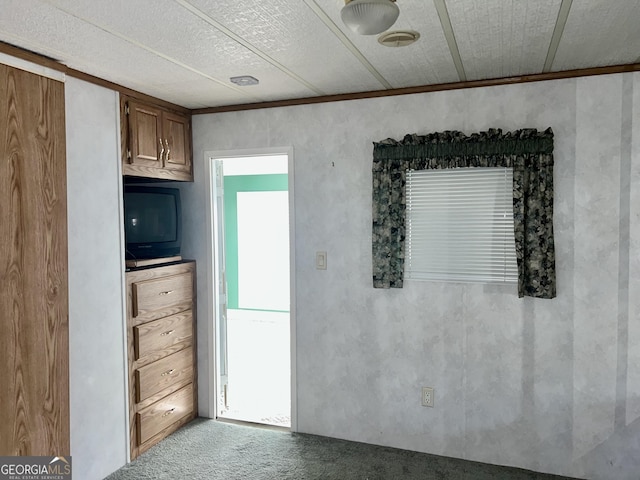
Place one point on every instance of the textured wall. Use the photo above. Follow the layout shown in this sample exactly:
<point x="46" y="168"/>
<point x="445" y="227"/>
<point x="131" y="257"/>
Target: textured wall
<point x="96" y="325"/>
<point x="547" y="385"/>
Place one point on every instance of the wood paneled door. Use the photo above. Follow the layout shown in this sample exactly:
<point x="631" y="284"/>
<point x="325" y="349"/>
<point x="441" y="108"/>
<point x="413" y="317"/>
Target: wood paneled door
<point x="34" y="343"/>
<point x="177" y="133"/>
<point x="147" y="144"/>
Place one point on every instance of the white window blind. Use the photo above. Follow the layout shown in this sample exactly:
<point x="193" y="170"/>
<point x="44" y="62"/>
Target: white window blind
<point x="459" y="225"/>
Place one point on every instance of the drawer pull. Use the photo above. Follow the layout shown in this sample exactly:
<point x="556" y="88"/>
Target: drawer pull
<point x="169" y="412"/>
<point x="164" y="334"/>
<point x="168" y="372"/>
<point x="168" y="292"/>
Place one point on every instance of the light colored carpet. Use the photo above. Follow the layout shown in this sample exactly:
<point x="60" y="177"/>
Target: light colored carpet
<point x="207" y="449"/>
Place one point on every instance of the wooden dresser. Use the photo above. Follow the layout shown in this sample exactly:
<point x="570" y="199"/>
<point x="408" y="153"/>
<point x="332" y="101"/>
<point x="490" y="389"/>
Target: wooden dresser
<point x="162" y="352"/>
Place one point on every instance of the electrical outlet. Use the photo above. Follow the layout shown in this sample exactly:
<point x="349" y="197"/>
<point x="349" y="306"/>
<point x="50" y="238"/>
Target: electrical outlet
<point x="427" y="396"/>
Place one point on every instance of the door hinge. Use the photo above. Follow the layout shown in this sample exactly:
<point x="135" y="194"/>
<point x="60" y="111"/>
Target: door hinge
<point x="129" y="154"/>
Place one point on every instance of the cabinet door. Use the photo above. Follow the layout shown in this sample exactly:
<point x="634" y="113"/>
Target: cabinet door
<point x="145" y="131"/>
<point x="177" y="144"/>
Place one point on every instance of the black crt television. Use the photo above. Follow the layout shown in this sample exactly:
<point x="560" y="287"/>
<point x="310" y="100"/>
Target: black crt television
<point x="152" y="222"/>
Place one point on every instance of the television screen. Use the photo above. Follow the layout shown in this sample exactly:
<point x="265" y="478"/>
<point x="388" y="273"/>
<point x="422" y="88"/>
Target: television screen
<point x="149" y="220"/>
<point x="152" y="222"/>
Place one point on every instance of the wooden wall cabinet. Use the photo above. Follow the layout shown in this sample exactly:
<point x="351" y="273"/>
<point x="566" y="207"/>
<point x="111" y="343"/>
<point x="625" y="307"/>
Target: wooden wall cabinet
<point x="156" y="141"/>
<point x="161" y="347"/>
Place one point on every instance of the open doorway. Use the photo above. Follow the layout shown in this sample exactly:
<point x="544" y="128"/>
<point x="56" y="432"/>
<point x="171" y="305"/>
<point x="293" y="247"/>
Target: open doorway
<point x="252" y="246"/>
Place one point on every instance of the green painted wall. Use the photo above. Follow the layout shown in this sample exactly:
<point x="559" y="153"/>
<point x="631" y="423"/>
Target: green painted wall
<point x="232" y="185"/>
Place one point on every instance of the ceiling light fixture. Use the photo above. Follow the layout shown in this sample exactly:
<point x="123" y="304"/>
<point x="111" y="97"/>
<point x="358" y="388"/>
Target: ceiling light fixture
<point x="369" y="17"/>
<point x="244" y="80"/>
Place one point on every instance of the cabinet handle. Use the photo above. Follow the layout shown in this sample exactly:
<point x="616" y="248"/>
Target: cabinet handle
<point x="168" y="292"/>
<point x="169" y="412"/>
<point x="161" y="148"/>
<point x="164" y="334"/>
<point x="166" y="142"/>
<point x="168" y="372"/>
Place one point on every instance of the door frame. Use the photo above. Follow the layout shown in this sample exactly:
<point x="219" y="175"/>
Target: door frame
<point x="212" y="307"/>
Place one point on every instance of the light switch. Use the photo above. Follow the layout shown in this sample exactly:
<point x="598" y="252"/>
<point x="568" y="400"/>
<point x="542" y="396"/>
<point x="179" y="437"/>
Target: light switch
<point x="321" y="260"/>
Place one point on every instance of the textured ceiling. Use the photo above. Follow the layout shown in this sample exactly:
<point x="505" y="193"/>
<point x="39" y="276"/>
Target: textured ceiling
<point x="185" y="51"/>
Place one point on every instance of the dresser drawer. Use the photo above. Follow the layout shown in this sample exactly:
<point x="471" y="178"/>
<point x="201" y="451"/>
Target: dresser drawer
<point x="176" y="368"/>
<point x="160" y="415"/>
<point x="153" y="337"/>
<point x="162" y="293"/>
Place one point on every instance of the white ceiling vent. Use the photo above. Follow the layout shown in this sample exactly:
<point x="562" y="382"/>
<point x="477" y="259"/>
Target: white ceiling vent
<point x="399" y="38"/>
